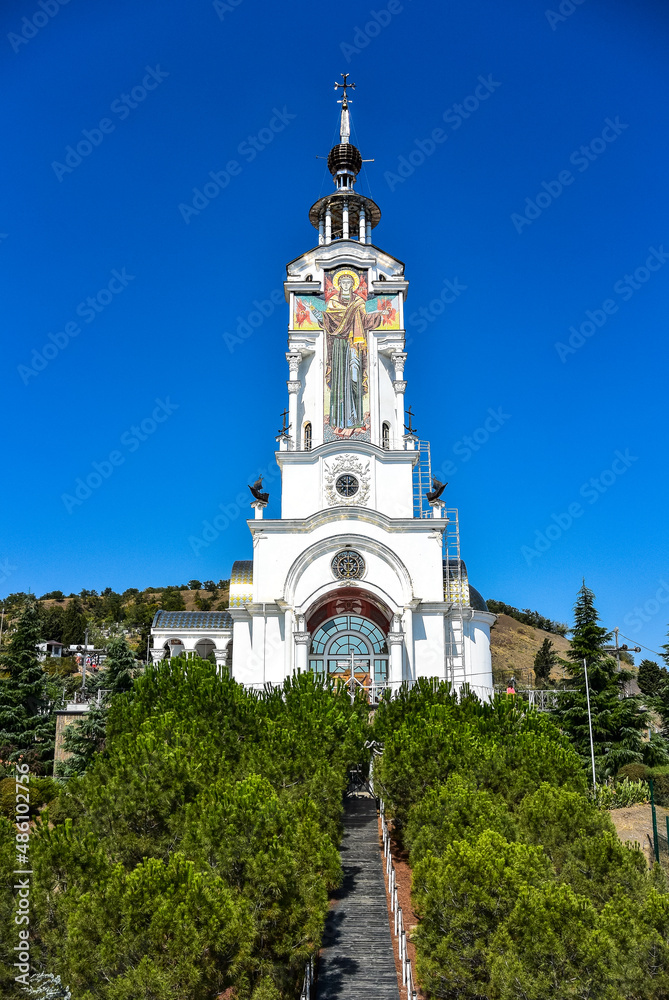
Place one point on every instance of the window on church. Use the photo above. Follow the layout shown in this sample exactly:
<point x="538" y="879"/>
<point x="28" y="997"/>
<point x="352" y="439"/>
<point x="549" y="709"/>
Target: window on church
<point x="348" y="565"/>
<point x="385" y="436"/>
<point x="347" y="486"/>
<point x="307" y="437"/>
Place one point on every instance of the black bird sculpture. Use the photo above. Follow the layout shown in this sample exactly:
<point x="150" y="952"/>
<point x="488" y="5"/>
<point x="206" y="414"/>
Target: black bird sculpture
<point x="436" y="491"/>
<point x="257" y="492"/>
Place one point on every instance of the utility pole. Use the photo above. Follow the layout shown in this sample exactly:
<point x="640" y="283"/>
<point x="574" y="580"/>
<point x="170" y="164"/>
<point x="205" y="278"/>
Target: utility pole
<point x="83" y="664"/>
<point x="592" y="745"/>
<point x="618" y="649"/>
<point x="615" y="631"/>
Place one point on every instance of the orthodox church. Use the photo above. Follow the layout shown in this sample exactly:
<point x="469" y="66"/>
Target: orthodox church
<point x="361" y="577"/>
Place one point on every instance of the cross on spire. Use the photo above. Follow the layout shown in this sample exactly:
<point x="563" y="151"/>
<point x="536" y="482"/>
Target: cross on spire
<point x="407" y="427"/>
<point x="344" y="86"/>
<point x="286" y="427"/>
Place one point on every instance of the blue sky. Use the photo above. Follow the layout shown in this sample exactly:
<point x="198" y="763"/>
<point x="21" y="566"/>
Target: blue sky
<point x="537" y="234"/>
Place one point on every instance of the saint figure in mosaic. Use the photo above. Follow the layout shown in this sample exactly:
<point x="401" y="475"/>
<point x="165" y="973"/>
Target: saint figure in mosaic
<point x="346" y="322"/>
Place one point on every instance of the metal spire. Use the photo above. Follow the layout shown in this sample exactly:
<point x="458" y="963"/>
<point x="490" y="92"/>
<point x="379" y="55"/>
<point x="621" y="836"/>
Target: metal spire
<point x="345" y="125"/>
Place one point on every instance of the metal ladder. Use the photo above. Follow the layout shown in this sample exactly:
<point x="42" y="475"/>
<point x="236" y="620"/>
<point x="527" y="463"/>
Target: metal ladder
<point x="422" y="481"/>
<point x="454" y="594"/>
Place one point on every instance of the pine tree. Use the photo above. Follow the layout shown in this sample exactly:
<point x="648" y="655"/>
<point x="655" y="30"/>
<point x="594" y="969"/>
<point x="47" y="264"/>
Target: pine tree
<point x="545" y="659"/>
<point x="617" y="721"/>
<point x="27" y="730"/>
<point x="119" y="665"/>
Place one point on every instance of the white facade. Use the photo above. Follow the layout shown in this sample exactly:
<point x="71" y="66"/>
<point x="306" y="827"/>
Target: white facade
<point x="360" y="577"/>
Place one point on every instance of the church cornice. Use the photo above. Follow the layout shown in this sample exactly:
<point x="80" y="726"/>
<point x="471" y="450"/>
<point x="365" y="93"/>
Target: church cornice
<point x="363" y="515"/>
<point x="344" y="252"/>
<point x="394" y="457"/>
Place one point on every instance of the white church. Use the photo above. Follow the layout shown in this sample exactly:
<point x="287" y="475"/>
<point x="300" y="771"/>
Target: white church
<point x="361" y="577"/>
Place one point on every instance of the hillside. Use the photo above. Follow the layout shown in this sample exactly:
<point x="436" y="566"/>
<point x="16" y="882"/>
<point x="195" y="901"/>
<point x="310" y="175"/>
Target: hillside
<point x="514" y="646"/>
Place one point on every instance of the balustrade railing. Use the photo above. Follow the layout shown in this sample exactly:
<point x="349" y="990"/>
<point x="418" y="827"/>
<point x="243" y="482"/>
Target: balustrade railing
<point x="307" y="985"/>
<point x="399" y="930"/>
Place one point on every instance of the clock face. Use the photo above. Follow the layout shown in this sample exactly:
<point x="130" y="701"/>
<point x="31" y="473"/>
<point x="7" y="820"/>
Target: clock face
<point x="347" y="485"/>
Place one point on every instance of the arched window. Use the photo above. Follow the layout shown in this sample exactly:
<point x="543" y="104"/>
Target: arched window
<point x="350" y="646"/>
<point x="307" y="437"/>
<point x="385" y="436"/>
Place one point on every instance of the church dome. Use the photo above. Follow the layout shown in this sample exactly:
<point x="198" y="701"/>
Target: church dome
<point x="344" y="156"/>
<point x="476" y="601"/>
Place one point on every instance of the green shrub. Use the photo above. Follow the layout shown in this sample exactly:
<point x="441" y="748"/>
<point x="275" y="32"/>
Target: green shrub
<point x="456" y="810"/>
<point x="660" y="777"/>
<point x="634" y="772"/>
<point x="196" y="853"/>
<point x="41" y="791"/>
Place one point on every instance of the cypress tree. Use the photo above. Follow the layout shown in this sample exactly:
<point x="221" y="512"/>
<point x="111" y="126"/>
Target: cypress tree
<point x="617" y="721"/>
<point x="546" y="657"/>
<point x="650" y="677"/>
<point x="27" y="730"/>
<point x="53" y="623"/>
<point x="74" y="623"/>
<point x="119" y="665"/>
<point x="665" y="655"/>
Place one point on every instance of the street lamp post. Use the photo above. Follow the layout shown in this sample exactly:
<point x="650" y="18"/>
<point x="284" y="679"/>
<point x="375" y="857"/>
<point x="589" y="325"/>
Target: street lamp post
<point x="592" y="745"/>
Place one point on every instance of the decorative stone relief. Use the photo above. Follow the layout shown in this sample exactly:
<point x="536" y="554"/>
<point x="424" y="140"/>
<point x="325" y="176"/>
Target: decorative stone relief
<point x="347" y="465"/>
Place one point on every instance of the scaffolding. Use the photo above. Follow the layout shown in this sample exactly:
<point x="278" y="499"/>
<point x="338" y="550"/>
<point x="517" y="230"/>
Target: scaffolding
<point x="456" y="595"/>
<point x="456" y="586"/>
<point x="422" y="480"/>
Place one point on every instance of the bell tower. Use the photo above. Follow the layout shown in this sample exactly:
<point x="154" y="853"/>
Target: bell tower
<point x="360" y="578"/>
<point x="346" y="346"/>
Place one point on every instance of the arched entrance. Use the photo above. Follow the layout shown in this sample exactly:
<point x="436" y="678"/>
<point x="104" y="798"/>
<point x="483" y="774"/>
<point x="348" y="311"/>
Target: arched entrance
<point x="347" y="646"/>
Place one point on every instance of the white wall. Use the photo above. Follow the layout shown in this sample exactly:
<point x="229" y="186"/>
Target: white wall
<point x="389" y="474"/>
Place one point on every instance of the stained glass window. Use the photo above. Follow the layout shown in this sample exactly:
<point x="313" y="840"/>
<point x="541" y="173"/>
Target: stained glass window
<point x="348" y="565"/>
<point x="369" y="636"/>
<point x="347" y="486"/>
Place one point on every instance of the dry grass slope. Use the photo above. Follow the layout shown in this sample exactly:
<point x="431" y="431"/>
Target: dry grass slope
<point x="514" y="647"/>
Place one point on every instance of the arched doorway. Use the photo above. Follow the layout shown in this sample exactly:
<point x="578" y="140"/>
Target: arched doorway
<point x="347" y="646"/>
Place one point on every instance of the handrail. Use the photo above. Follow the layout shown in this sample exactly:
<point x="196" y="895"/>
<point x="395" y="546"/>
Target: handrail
<point x="398" y="923"/>
<point x="308" y="980"/>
